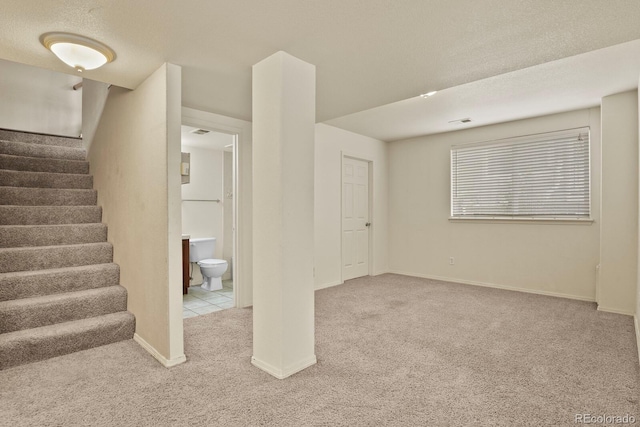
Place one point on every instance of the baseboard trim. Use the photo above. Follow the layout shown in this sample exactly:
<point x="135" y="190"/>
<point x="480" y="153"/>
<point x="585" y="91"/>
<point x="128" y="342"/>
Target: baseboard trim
<point x="613" y="310"/>
<point x="341" y="282"/>
<point x="637" y="325"/>
<point x="329" y="285"/>
<point x="493" y="285"/>
<point x="156" y="355"/>
<point x="378" y="273"/>
<point x="287" y="372"/>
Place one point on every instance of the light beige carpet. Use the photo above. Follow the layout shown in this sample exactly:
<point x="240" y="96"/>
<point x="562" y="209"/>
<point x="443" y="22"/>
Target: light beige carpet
<point x="391" y="350"/>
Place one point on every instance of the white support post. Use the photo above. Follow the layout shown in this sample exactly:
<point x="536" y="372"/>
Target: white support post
<point x="283" y="150"/>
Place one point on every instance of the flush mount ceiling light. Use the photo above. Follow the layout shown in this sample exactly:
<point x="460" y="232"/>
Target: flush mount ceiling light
<point x="77" y="51"/>
<point x="428" y="94"/>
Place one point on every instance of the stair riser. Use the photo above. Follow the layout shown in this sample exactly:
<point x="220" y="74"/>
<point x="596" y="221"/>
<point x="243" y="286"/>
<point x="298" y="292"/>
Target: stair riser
<point x="35" y="164"/>
<point x="23" y="196"/>
<point x="43" y="215"/>
<point x="27" y="284"/>
<point x="39" y="150"/>
<point x="35" y="312"/>
<point x="43" y="258"/>
<point x="18" y="348"/>
<point x="24" y="236"/>
<point x="45" y="180"/>
<point x="7" y="135"/>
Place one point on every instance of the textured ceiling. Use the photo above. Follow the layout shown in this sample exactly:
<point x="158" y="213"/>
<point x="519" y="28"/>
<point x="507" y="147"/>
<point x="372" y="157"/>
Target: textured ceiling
<point x="367" y="52"/>
<point x="566" y="84"/>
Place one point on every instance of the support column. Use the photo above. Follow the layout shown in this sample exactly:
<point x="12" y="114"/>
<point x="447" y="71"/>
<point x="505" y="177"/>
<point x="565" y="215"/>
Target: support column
<point x="619" y="204"/>
<point x="283" y="146"/>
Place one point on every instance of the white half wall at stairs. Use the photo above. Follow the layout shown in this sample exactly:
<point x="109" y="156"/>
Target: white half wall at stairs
<point x="135" y="160"/>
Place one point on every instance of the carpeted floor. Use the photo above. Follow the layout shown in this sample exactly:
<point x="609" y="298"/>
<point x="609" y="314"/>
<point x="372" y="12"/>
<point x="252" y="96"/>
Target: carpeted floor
<point x="392" y="350"/>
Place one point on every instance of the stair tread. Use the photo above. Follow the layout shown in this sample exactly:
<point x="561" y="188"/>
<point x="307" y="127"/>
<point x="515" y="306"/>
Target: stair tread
<point x="30" y="149"/>
<point x="43" y="164"/>
<point x="28" y="196"/>
<point x="33" y="312"/>
<point x="31" y="345"/>
<point x="44" y="226"/>
<point x="40" y="138"/>
<point x="86" y="190"/>
<point x="56" y="256"/>
<point x="13" y="236"/>
<point x="45" y="299"/>
<point x="50" y="215"/>
<point x="36" y="179"/>
<point x="41" y="173"/>
<point x="34" y="283"/>
<point x="31" y="248"/>
<point x="59" y="328"/>
<point x="79" y="268"/>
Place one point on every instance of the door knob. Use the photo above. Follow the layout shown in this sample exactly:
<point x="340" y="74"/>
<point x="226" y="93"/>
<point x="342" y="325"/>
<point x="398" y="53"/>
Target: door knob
<point x="367" y="224"/>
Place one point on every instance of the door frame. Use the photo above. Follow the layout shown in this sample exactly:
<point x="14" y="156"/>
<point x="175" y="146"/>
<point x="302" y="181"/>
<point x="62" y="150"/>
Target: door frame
<point x="242" y="288"/>
<point x="369" y="160"/>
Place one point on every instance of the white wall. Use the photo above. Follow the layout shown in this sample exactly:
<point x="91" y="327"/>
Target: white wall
<point x="227" y="205"/>
<point x="556" y="259"/>
<point x="619" y="225"/>
<point x="330" y="143"/>
<point x="204" y="219"/>
<point x="94" y="96"/>
<point x="135" y="161"/>
<point x="37" y="100"/>
<point x="637" y="324"/>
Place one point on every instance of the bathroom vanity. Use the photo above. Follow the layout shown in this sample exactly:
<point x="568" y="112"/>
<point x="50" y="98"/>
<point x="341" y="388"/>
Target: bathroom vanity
<point x="185" y="263"/>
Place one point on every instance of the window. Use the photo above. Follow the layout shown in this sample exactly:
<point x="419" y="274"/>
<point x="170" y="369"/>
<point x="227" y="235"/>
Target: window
<point x="543" y="176"/>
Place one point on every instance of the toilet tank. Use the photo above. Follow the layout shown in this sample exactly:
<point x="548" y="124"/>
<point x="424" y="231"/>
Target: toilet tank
<point x="200" y="249"/>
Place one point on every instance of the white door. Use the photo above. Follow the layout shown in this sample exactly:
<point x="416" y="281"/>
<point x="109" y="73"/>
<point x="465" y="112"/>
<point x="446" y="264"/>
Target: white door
<point x="355" y="218"/>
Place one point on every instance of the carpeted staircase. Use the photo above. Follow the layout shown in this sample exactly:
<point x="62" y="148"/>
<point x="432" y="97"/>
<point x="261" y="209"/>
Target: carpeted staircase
<point x="59" y="287"/>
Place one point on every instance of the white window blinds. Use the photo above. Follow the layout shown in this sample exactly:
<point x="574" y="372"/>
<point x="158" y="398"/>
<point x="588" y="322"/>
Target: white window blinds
<point x="539" y="176"/>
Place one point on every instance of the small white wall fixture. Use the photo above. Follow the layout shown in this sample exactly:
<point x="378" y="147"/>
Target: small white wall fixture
<point x="283" y="209"/>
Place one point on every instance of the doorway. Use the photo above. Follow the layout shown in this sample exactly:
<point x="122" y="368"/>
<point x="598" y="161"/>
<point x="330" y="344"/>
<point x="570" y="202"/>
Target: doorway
<point x="356" y="217"/>
<point x="209" y="213"/>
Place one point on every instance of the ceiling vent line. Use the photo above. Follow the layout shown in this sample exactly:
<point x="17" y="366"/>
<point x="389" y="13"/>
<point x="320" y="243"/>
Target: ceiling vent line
<point x="200" y="131"/>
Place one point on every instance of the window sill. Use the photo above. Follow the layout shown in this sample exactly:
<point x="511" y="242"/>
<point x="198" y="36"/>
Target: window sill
<point x="580" y="221"/>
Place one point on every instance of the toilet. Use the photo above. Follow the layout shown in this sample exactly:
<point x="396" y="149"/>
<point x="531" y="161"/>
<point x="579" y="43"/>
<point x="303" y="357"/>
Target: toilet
<point x="201" y="251"/>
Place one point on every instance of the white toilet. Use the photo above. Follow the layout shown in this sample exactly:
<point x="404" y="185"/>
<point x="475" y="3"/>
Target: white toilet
<point x="201" y="251"/>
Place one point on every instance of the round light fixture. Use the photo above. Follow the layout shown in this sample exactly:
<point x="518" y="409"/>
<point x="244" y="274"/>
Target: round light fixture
<point x="428" y="94"/>
<point x="76" y="51"/>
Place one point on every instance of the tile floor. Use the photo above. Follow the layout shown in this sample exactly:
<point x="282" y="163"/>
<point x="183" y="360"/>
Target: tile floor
<point x="198" y="301"/>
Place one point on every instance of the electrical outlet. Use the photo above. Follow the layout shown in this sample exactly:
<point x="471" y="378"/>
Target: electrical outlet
<point x="451" y="261"/>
